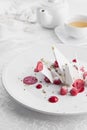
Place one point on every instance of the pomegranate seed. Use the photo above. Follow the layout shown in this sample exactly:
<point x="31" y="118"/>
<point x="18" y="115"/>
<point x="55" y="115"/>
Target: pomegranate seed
<point x="63" y="90"/>
<point x="55" y="64"/>
<point x="57" y="81"/>
<point x="46" y="80"/>
<point x="79" y="85"/>
<point x="39" y="67"/>
<point x="38" y="86"/>
<point x="74" y="60"/>
<point x="85" y="74"/>
<point x="53" y="99"/>
<point x="73" y="91"/>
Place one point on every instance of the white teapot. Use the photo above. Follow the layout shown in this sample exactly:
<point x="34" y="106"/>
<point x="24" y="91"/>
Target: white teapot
<point x="52" y="13"/>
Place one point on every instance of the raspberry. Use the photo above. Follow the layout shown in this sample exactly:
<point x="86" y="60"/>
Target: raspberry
<point x="79" y="85"/>
<point x="85" y="74"/>
<point x="57" y="81"/>
<point x="39" y="67"/>
<point x="63" y="90"/>
<point x="46" y="80"/>
<point x="74" y="60"/>
<point x="73" y="91"/>
<point x="55" y="64"/>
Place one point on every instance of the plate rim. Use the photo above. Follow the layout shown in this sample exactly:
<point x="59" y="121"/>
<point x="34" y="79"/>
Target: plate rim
<point x="24" y="105"/>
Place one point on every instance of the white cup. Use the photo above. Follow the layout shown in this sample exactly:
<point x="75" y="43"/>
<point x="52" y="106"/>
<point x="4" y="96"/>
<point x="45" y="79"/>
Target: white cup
<point x="74" y="31"/>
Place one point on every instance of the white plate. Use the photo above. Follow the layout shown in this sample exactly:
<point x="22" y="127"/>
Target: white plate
<point x="65" y="38"/>
<point x="33" y="98"/>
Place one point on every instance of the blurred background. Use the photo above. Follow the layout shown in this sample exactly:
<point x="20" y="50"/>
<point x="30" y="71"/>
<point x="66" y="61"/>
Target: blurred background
<point x="14" y="6"/>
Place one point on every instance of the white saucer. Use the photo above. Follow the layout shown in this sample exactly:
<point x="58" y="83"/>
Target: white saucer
<point x="65" y="38"/>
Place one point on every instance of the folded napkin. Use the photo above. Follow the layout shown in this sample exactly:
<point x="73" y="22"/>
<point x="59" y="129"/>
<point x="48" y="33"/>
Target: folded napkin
<point x="19" y="9"/>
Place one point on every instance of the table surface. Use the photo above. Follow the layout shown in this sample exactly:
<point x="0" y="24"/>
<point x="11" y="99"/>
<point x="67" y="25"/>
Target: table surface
<point x="14" y="36"/>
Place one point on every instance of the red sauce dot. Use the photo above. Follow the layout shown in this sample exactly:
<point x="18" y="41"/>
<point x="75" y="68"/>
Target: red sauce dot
<point x="38" y="86"/>
<point x="29" y="80"/>
<point x="53" y="99"/>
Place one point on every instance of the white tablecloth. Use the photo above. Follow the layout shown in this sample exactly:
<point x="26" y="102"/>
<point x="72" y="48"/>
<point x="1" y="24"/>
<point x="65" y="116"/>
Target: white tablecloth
<point x="14" y="36"/>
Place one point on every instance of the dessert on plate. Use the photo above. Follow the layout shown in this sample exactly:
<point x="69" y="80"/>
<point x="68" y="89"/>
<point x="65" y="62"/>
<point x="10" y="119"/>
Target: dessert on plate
<point x="69" y="76"/>
<point x="62" y="71"/>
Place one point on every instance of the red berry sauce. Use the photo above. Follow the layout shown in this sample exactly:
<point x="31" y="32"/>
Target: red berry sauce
<point x="38" y="86"/>
<point x="53" y="99"/>
<point x="29" y="80"/>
